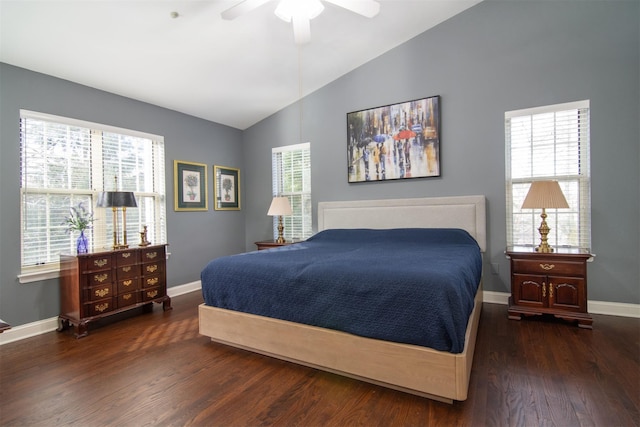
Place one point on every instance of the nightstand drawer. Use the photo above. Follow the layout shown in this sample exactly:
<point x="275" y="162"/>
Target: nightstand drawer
<point x="151" y="281"/>
<point x="548" y="266"/>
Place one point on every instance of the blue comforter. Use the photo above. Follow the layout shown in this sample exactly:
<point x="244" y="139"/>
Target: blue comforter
<point x="413" y="286"/>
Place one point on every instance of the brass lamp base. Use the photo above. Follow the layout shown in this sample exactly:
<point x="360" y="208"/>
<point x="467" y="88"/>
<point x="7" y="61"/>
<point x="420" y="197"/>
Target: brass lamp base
<point x="544" y="232"/>
<point x="280" y="231"/>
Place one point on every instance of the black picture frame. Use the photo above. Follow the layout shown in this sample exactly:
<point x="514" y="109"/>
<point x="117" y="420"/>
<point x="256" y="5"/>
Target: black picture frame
<point x="395" y="141"/>
<point x="227" y="188"/>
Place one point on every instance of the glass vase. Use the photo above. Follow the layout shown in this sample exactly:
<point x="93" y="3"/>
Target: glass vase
<point x="82" y="245"/>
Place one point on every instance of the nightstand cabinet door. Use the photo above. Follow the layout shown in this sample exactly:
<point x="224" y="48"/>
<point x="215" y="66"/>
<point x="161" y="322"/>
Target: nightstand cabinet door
<point x="567" y="293"/>
<point x="529" y="290"/>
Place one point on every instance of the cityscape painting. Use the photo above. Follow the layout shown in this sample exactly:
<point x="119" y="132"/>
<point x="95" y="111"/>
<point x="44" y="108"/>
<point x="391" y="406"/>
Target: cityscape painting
<point x="395" y="141"/>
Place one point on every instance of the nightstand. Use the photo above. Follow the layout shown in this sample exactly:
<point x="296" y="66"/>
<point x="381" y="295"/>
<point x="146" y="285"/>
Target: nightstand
<point x="549" y="283"/>
<point x="268" y="244"/>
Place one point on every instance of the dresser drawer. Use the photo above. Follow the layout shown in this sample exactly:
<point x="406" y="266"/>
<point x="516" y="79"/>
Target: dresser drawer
<point x="152" y="281"/>
<point x="97" y="278"/>
<point x="152" y="268"/>
<point x="543" y="266"/>
<point x="128" y="285"/>
<point x="126" y="257"/>
<point x="95" y="293"/>
<point x="155" y="254"/>
<point x="96" y="308"/>
<point x="127" y="272"/>
<point x="149" y="294"/>
<point x="96" y="263"/>
<point x="128" y="298"/>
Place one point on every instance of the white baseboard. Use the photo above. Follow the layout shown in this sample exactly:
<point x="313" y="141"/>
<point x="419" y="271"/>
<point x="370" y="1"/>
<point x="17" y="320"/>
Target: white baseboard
<point x="174" y="291"/>
<point x="495" y="297"/>
<point x="28" y="330"/>
<point x="32" y="329"/>
<point x="48" y="325"/>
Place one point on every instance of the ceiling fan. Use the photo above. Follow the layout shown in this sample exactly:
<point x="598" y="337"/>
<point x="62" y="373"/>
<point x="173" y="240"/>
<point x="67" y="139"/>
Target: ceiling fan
<point x="301" y="12"/>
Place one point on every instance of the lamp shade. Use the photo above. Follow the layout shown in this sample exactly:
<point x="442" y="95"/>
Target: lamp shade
<point x="116" y="199"/>
<point x="544" y="194"/>
<point x="279" y="206"/>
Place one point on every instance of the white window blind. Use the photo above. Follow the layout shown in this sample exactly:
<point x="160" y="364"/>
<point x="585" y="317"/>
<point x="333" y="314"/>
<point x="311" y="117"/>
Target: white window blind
<point x="64" y="162"/>
<point x="551" y="142"/>
<point x="291" y="169"/>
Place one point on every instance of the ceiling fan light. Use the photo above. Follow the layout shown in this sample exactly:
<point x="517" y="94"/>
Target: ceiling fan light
<point x="308" y="9"/>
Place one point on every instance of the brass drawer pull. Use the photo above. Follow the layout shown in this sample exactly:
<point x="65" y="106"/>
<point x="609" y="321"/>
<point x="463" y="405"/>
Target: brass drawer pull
<point x="152" y="255"/>
<point x="544" y="290"/>
<point x="126" y="296"/>
<point x="100" y="262"/>
<point x="102" y="307"/>
<point x="152" y="294"/>
<point x="152" y="281"/>
<point x="126" y="254"/>
<point x="127" y="282"/>
<point x="100" y="277"/>
<point x="102" y="292"/>
<point x="126" y="269"/>
<point x="550" y="290"/>
<point x="547" y="266"/>
<point x="152" y="268"/>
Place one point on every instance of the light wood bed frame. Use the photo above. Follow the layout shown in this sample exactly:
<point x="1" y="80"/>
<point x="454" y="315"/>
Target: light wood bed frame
<point x="418" y="370"/>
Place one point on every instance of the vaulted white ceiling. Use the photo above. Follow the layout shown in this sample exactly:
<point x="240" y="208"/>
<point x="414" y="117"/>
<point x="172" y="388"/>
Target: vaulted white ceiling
<point x="234" y="72"/>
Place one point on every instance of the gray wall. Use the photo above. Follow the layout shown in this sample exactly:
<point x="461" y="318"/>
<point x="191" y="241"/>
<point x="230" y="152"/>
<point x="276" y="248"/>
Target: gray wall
<point x="495" y="57"/>
<point x="194" y="237"/>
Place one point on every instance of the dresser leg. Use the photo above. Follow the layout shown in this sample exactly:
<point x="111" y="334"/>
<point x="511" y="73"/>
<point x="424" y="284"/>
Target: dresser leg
<point x="63" y="324"/>
<point x="82" y="330"/>
<point x="166" y="304"/>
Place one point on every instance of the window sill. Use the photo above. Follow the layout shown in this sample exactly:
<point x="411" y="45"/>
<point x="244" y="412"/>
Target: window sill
<point x="39" y="275"/>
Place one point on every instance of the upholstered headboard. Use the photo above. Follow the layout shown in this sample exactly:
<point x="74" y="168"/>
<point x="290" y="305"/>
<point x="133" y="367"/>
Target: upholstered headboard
<point x="466" y="212"/>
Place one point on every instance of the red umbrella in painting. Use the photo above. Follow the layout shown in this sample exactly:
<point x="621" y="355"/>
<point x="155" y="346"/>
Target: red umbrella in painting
<point x="404" y="134"/>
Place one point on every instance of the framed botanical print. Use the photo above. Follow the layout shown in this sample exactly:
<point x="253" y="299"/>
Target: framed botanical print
<point x="190" y="186"/>
<point x="227" y="188"/>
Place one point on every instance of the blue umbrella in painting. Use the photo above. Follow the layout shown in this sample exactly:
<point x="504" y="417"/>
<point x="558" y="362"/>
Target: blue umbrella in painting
<point x="380" y="138"/>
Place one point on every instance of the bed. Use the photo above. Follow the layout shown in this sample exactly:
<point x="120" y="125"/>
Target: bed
<point x="405" y="364"/>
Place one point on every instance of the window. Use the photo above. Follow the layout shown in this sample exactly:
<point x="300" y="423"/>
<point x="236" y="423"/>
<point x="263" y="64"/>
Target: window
<point x="291" y="169"/>
<point x="64" y="162"/>
<point x="549" y="143"/>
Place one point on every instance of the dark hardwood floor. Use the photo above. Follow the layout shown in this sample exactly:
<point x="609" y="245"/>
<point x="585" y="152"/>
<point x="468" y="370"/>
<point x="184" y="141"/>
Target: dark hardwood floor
<point x="155" y="370"/>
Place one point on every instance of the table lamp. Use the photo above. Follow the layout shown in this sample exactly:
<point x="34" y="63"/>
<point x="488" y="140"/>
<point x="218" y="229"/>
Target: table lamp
<point x="118" y="199"/>
<point x="544" y="194"/>
<point x="280" y="206"/>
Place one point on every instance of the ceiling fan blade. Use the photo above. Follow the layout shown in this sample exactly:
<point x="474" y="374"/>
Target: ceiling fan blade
<point x="241" y="8"/>
<point x="301" y="29"/>
<point x="366" y="8"/>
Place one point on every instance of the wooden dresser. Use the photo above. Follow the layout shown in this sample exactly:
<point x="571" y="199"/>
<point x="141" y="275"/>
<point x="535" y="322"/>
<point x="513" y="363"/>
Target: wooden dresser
<point x="549" y="283"/>
<point x="100" y="284"/>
